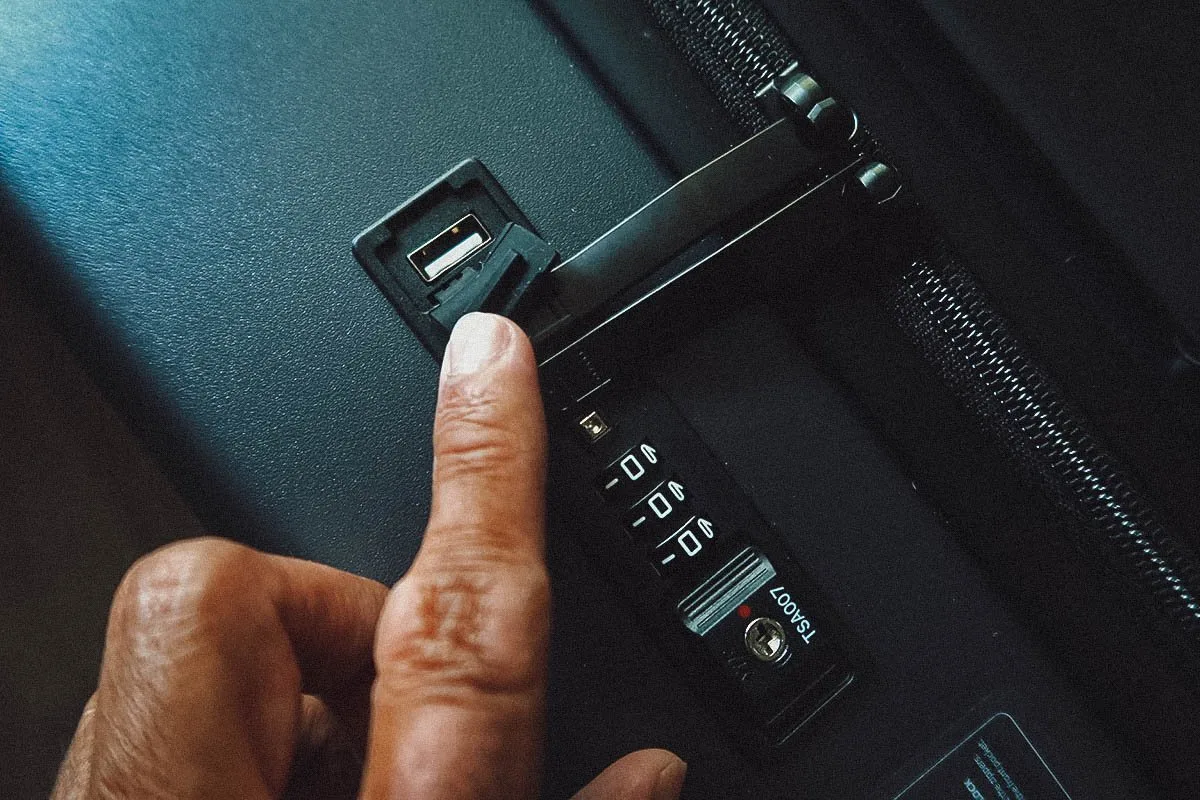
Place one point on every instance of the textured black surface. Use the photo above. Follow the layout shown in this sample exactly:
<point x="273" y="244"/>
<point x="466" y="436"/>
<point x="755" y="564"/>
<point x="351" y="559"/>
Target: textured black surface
<point x="735" y="46"/>
<point x="732" y="45"/>
<point x="197" y="171"/>
<point x="662" y="93"/>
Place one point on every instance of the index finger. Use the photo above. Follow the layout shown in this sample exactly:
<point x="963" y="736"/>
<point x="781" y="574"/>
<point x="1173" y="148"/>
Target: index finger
<point x="461" y="645"/>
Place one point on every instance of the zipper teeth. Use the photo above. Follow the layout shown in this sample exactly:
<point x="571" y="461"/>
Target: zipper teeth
<point x="732" y="45"/>
<point x="744" y="39"/>
<point x="946" y="314"/>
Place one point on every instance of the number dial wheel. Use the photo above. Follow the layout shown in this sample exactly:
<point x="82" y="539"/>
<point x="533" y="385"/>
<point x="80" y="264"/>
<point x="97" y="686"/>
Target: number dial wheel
<point x="630" y="477"/>
<point x="661" y="512"/>
<point x="686" y="547"/>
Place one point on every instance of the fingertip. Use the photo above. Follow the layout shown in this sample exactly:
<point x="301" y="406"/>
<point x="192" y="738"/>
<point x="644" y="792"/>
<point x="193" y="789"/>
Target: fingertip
<point x="668" y="772"/>
<point x="650" y="774"/>
<point x="480" y="341"/>
<point x="670" y="778"/>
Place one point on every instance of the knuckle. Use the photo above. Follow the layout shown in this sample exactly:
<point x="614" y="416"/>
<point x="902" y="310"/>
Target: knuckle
<point x="472" y="432"/>
<point x="463" y="460"/>
<point x="469" y="542"/>
<point x="202" y="579"/>
<point x="479" y="631"/>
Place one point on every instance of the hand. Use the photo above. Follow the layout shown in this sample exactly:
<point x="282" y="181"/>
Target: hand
<point x="232" y="673"/>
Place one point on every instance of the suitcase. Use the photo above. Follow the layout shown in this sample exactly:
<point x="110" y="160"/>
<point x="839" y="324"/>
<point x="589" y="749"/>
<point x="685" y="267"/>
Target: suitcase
<point x="939" y="376"/>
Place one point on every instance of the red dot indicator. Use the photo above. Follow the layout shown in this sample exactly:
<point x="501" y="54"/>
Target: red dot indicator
<point x="744" y="611"/>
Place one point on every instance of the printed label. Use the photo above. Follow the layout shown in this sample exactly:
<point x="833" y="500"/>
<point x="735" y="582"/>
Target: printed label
<point x="996" y="762"/>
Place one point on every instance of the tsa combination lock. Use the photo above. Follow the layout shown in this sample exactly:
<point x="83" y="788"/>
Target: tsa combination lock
<point x="706" y="572"/>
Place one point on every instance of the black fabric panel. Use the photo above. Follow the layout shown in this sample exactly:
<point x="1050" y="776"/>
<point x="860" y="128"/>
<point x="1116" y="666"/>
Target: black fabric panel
<point x="1020" y="230"/>
<point x="1107" y="91"/>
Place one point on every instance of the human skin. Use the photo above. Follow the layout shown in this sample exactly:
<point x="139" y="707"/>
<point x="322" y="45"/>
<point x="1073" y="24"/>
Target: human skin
<point x="228" y="672"/>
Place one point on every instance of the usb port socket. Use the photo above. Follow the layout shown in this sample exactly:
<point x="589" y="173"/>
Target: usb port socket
<point x="450" y="247"/>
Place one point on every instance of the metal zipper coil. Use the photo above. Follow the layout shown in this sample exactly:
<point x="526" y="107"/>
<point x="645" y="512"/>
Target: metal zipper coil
<point x="735" y="47"/>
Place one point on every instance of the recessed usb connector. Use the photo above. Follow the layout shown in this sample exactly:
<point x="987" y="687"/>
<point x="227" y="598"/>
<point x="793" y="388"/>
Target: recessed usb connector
<point x="450" y="247"/>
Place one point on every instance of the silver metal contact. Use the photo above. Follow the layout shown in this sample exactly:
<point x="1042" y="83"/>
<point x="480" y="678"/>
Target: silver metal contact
<point x="450" y="247"/>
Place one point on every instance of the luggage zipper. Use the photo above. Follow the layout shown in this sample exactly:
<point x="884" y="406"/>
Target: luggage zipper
<point x="736" y="49"/>
<point x="733" y="45"/>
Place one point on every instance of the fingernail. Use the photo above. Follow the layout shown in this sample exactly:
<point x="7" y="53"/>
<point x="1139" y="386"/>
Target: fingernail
<point x="476" y="341"/>
<point x="670" y="780"/>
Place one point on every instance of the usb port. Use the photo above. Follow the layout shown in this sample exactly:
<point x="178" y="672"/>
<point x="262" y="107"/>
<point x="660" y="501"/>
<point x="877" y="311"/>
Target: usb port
<point x="450" y="247"/>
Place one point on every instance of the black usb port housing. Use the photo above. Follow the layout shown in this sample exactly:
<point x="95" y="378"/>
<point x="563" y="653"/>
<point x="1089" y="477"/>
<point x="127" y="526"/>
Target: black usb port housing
<point x="419" y="254"/>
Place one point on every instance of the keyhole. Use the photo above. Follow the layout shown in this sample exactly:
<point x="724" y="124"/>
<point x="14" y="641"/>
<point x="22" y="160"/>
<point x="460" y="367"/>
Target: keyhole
<point x="766" y="640"/>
